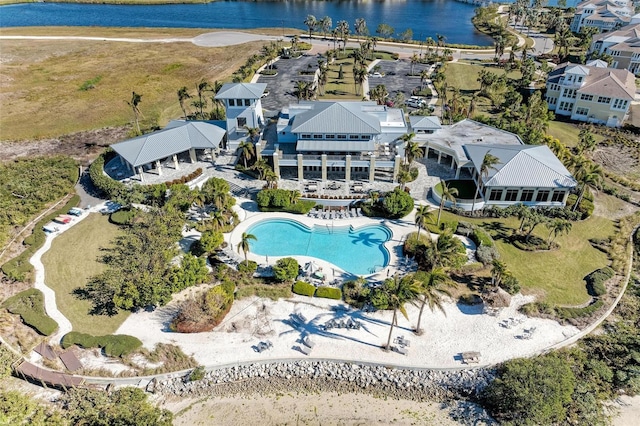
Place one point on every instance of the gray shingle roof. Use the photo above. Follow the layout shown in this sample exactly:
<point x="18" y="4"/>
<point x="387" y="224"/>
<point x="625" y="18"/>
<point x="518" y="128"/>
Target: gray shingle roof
<point x="241" y="91"/>
<point x="336" y="117"/>
<point x="177" y="137"/>
<point x="522" y="166"/>
<point x="424" y="122"/>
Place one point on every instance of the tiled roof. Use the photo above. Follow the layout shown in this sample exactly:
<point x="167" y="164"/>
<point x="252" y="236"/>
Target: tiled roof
<point x="177" y="137"/>
<point x="600" y="81"/>
<point x="522" y="166"/>
<point x="241" y="91"/>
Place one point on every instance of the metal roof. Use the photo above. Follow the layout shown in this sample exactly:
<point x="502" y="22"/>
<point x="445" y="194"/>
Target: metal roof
<point x="522" y="166"/>
<point x="241" y="91"/>
<point x="337" y="118"/>
<point x="177" y="137"/>
<point x="424" y="122"/>
<point x="335" y="145"/>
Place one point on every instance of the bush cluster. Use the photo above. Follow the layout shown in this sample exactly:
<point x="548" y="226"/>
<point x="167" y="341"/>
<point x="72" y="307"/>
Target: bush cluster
<point x="481" y="238"/>
<point x="487" y="254"/>
<point x="286" y="269"/>
<point x="585" y="208"/>
<point x="29" y="304"/>
<point x="283" y="200"/>
<point x="205" y="310"/>
<point x="247" y="267"/>
<point x="122" y="216"/>
<point x="329" y="293"/>
<point x="184" y="179"/>
<point x="596" y="279"/>
<point x="112" y="188"/>
<point x="117" y="345"/>
<point x="355" y="294"/>
<point x="303" y="288"/>
<point x="450" y="225"/>
<point x="17" y="268"/>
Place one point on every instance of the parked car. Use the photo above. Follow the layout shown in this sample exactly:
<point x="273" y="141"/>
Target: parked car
<point x="416" y="102"/>
<point x="375" y="75"/>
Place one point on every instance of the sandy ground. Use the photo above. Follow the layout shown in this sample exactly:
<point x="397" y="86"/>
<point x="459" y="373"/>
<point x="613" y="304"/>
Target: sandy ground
<point x="251" y="320"/>
<point x="629" y="411"/>
<point x="317" y="409"/>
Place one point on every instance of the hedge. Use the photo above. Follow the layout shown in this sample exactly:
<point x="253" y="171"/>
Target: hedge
<point x="279" y="200"/>
<point x="116" y="345"/>
<point x="303" y="288"/>
<point x="249" y="268"/>
<point x="17" y="268"/>
<point x="481" y="238"/>
<point x="329" y="293"/>
<point x="568" y="313"/>
<point x="122" y="217"/>
<point x="596" y="279"/>
<point x="29" y="304"/>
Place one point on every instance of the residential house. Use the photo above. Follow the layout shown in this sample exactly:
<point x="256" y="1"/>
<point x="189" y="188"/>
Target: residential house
<point x="622" y="45"/>
<point x="243" y="105"/>
<point x="606" y="15"/>
<point x="592" y="93"/>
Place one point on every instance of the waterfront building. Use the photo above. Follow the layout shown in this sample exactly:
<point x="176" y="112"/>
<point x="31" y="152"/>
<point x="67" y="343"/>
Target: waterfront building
<point x="591" y="93"/>
<point x="622" y="45"/>
<point x="606" y="15"/>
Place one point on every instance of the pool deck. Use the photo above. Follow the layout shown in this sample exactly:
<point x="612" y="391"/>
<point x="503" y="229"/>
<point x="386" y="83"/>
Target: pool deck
<point x="399" y="228"/>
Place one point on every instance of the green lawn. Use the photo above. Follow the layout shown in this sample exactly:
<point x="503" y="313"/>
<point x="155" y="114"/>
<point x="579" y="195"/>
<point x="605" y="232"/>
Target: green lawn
<point x="555" y="275"/>
<point x="70" y="262"/>
<point x="464" y="75"/>
<point x="567" y="133"/>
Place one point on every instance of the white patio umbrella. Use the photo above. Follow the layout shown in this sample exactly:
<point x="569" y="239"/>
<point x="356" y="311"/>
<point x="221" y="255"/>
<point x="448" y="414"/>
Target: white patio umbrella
<point x="310" y="267"/>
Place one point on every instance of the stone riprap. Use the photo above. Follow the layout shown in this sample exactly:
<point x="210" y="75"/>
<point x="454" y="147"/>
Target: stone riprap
<point x="321" y="376"/>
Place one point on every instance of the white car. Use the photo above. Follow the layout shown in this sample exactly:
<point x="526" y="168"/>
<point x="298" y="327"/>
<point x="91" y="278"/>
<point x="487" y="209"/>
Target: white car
<point x="376" y="75"/>
<point x="416" y="102"/>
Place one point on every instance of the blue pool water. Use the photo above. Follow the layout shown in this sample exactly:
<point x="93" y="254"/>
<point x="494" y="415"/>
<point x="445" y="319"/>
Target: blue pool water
<point x="360" y="251"/>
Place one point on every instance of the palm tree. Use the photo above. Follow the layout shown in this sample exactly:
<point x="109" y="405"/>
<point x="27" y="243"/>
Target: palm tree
<point x="359" y="77"/>
<point x="446" y="250"/>
<point x="202" y="87"/>
<point x="590" y="175"/>
<point x="216" y="191"/>
<point x="397" y="292"/>
<point x="311" y="22"/>
<point x="489" y="163"/>
<point x="183" y="94"/>
<point x="325" y="25"/>
<point x="433" y="286"/>
<point x="379" y="94"/>
<point x="558" y="227"/>
<point x="360" y="27"/>
<point x="414" y="60"/>
<point x="271" y="178"/>
<point x="424" y="76"/>
<point x="472" y="104"/>
<point x="343" y="30"/>
<point x="424" y="214"/>
<point x="245" y="246"/>
<point x="247" y="150"/>
<point x="217" y="220"/>
<point x="323" y="76"/>
<point x="252" y="133"/>
<point x="133" y="103"/>
<point x="499" y="271"/>
<point x="404" y="176"/>
<point x="407" y="138"/>
<point x="411" y="151"/>
<point x="448" y="194"/>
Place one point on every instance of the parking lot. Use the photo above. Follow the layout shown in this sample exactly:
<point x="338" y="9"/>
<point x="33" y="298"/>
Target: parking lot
<point x="281" y="87"/>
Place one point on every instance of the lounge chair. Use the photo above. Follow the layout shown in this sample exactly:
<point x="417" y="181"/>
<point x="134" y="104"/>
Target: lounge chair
<point x="305" y="350"/>
<point x="307" y="341"/>
<point x="401" y="350"/>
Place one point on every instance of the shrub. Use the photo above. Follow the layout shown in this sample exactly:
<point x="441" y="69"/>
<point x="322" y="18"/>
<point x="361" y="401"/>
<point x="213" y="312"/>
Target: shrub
<point x="117" y="345"/>
<point x="397" y="204"/>
<point x="355" y="294"/>
<point x="329" y="293"/>
<point x="470" y="299"/>
<point x="249" y="268"/>
<point x="569" y="313"/>
<point x="510" y="284"/>
<point x="303" y="288"/>
<point x="286" y="269"/>
<point x="29" y="304"/>
<point x="465" y="228"/>
<point x="585" y="208"/>
<point x="197" y="374"/>
<point x="481" y="238"/>
<point x="487" y="254"/>
<point x="596" y="279"/>
<point x="270" y="200"/>
<point x="122" y="217"/>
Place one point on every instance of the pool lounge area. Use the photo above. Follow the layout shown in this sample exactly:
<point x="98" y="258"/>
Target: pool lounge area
<point x="347" y="248"/>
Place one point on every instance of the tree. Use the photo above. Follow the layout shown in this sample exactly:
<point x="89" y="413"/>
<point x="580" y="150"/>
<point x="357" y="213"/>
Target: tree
<point x="192" y="271"/>
<point x="216" y="192"/>
<point x="247" y="150"/>
<point x="531" y="391"/>
<point x="183" y="95"/>
<point x="245" y="246"/>
<point x="379" y="94"/>
<point x="395" y="293"/>
<point x="343" y="30"/>
<point x="489" y="162"/>
<point x="424" y="215"/>
<point x="499" y="271"/>
<point x="325" y="25"/>
<point x="448" y="194"/>
<point x="385" y="30"/>
<point x="412" y="150"/>
<point x="311" y="23"/>
<point x="447" y="251"/>
<point x="201" y="87"/>
<point x="17" y="408"/>
<point x="133" y="104"/>
<point x="433" y="286"/>
<point x="360" y="28"/>
<point x="359" y="77"/>
<point x="590" y="176"/>
<point x="587" y="142"/>
<point x="210" y="241"/>
<point x="558" y="227"/>
<point x="397" y="203"/>
<point x="286" y="269"/>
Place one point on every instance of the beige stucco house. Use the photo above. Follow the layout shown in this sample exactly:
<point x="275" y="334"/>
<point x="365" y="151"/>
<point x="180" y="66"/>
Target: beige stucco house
<point x="606" y="15"/>
<point x="622" y="45"/>
<point x="591" y="93"/>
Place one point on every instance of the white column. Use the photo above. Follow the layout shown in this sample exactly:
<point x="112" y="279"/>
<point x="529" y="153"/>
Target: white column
<point x="347" y="168"/>
<point x="175" y="161"/>
<point x="192" y="155"/>
<point x="300" y="167"/>
<point x="141" y="173"/>
<point x="258" y="151"/>
<point x="276" y="164"/>
<point x="439" y="156"/>
<point x="159" y="167"/>
<point x="323" y="160"/>
<point x="372" y="168"/>
<point x="396" y="168"/>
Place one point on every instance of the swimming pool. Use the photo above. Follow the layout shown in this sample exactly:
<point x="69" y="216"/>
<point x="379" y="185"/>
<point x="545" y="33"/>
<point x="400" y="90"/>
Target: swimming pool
<point x="360" y="250"/>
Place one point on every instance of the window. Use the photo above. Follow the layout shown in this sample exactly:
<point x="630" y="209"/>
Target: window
<point x="247" y="102"/>
<point x="342" y="136"/>
<point x="557" y="196"/>
<point x="305" y="136"/>
<point x="232" y="102"/>
<point x="330" y="136"/>
<point x="317" y="136"/>
<point x="354" y="137"/>
<point x="566" y="106"/>
<point x="620" y="104"/>
<point x="585" y="97"/>
<point x="364" y="137"/>
<point x="551" y="100"/>
<point x="543" y="195"/>
<point x="512" y="195"/>
<point x="526" y="195"/>
<point x="242" y="121"/>
<point x="582" y="111"/>
<point x="495" y="194"/>
<point x="603" y="100"/>
<point x="569" y="93"/>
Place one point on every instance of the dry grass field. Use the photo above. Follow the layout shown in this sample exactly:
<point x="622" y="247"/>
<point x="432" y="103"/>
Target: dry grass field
<point x="41" y="80"/>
